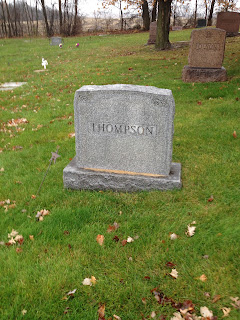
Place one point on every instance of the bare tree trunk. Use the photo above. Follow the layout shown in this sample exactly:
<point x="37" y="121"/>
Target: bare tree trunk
<point x="9" y="21"/>
<point x="163" y="25"/>
<point x="45" y="18"/>
<point x="121" y="15"/>
<point x="74" y="28"/>
<point x="4" y="26"/>
<point x="52" y="21"/>
<point x="15" y="19"/>
<point x="60" y="17"/>
<point x="36" y="10"/>
<point x="209" y="23"/>
<point x="154" y="11"/>
<point x="145" y="15"/>
<point x="195" y="14"/>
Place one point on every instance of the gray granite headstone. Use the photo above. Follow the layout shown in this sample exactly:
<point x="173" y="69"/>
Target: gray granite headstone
<point x="56" y="41"/>
<point x="124" y="136"/>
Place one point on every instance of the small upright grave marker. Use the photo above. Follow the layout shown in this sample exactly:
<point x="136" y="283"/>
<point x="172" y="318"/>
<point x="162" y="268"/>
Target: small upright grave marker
<point x="229" y="21"/>
<point x="206" y="56"/>
<point x="124" y="139"/>
<point x="152" y="33"/>
<point x="44" y="63"/>
<point x="56" y="41"/>
<point x="201" y="23"/>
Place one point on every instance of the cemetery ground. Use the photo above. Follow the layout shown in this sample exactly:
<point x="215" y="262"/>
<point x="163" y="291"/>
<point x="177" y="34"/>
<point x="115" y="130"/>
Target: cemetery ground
<point x="58" y="250"/>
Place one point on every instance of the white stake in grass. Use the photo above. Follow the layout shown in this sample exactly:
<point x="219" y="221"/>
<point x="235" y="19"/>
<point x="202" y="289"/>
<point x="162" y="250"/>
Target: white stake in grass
<point x="44" y="63"/>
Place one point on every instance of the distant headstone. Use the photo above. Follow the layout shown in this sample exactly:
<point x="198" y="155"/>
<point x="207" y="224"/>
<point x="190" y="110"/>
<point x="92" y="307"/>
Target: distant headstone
<point x="177" y="28"/>
<point x="152" y="33"/>
<point x="124" y="139"/>
<point x="201" y="23"/>
<point x="229" y="21"/>
<point x="206" y="56"/>
<point x="56" y="41"/>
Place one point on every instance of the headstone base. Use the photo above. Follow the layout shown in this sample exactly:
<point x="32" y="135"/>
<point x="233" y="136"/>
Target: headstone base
<point x="79" y="178"/>
<point x="192" y="74"/>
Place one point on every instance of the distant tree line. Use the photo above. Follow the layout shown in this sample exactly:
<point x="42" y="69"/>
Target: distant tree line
<point x="20" y="18"/>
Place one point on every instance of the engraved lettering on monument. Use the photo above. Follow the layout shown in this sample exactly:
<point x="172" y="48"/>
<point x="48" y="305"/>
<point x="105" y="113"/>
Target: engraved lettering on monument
<point x="121" y="130"/>
<point x="207" y="48"/>
<point x="108" y="128"/>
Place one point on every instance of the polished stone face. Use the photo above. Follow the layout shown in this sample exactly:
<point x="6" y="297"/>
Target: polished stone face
<point x="124" y="128"/>
<point x="207" y="48"/>
<point x="228" y="21"/>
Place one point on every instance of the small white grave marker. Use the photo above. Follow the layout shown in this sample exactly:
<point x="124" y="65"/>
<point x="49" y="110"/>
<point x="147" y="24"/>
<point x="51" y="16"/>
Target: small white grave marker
<point x="44" y="63"/>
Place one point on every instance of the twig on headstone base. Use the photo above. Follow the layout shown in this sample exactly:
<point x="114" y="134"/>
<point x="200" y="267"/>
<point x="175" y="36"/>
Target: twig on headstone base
<point x="54" y="157"/>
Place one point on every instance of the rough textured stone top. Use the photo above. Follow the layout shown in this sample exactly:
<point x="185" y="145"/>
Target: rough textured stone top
<point x="207" y="48"/>
<point x="124" y="128"/>
<point x="228" y="21"/>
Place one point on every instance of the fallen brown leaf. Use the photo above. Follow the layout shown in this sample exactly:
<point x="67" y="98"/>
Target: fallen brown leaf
<point x="203" y="278"/>
<point x="101" y="312"/>
<point x="115" y="238"/>
<point x="226" y="311"/>
<point x="124" y="242"/>
<point x="216" y="298"/>
<point x="211" y="199"/>
<point x="100" y="239"/>
<point x="113" y="227"/>
<point x="234" y="134"/>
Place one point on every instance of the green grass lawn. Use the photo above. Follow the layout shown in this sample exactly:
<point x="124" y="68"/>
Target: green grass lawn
<point x="37" y="275"/>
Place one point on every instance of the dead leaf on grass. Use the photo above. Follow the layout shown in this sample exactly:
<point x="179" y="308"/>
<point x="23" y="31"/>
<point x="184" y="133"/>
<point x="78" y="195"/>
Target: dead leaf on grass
<point x="130" y="239"/>
<point x="116" y="317"/>
<point x="187" y="306"/>
<point x="174" y="273"/>
<point x="203" y="278"/>
<point x="93" y="280"/>
<point x="206" y="313"/>
<point x="31" y="237"/>
<point x="216" y="298"/>
<point x="173" y="236"/>
<point x="211" y="199"/>
<point x="113" y="227"/>
<point x="101" y="312"/>
<point x="236" y="303"/>
<point x="87" y="282"/>
<point x="190" y="230"/>
<point x="124" y="242"/>
<point x="226" y="312"/>
<point x="24" y="312"/>
<point x="71" y="293"/>
<point x="116" y="238"/>
<point x="100" y="239"/>
<point x="234" y="134"/>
